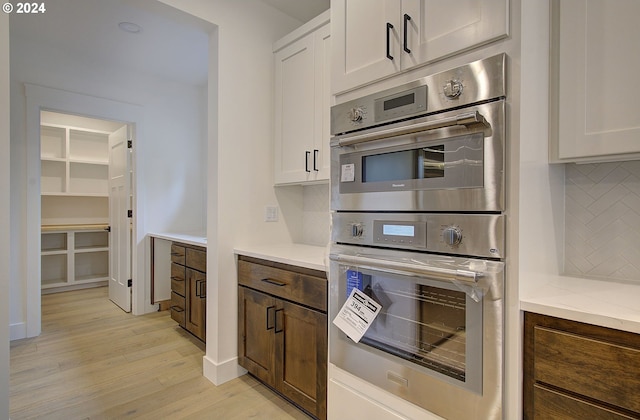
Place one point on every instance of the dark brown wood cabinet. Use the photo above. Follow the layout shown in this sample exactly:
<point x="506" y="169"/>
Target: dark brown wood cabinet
<point x="574" y="370"/>
<point x="282" y="330"/>
<point x="189" y="288"/>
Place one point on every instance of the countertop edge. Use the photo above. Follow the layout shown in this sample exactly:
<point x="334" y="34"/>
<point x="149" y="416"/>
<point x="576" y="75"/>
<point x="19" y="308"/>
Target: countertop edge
<point x="604" y="303"/>
<point x="195" y="238"/>
<point x="300" y="255"/>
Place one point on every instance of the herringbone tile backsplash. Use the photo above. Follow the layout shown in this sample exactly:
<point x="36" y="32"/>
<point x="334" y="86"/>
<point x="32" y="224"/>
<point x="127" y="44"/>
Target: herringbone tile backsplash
<point x="316" y="219"/>
<point x="602" y="221"/>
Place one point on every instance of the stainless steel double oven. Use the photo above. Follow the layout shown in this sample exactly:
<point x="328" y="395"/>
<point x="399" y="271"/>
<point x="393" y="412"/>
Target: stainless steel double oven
<point x="418" y="201"/>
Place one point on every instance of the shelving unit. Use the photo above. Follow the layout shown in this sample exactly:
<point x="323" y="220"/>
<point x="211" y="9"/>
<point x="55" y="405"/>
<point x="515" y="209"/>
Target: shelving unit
<point x="75" y="207"/>
<point x="74" y="257"/>
<point x="74" y="162"/>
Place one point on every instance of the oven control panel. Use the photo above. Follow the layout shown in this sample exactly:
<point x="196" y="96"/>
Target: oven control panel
<point x="400" y="233"/>
<point x="480" y="235"/>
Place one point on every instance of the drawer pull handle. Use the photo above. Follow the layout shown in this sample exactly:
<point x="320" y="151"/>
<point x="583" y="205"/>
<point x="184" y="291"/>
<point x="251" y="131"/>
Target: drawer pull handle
<point x="177" y="309"/>
<point x="176" y="278"/>
<point x="274" y="282"/>
<point x="177" y="254"/>
<point x="270" y="325"/>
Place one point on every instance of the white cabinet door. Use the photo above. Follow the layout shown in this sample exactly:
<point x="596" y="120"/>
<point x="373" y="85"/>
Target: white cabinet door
<point x="376" y="39"/>
<point x="302" y="109"/>
<point x="598" y="94"/>
<point x="438" y="29"/>
<point x="360" y="31"/>
<point x="294" y="114"/>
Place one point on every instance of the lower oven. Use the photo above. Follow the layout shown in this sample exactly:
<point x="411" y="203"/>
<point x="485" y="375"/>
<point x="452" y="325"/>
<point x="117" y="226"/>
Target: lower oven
<point x="437" y="340"/>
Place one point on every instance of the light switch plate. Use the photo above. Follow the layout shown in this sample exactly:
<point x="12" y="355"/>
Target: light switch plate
<point x="271" y="214"/>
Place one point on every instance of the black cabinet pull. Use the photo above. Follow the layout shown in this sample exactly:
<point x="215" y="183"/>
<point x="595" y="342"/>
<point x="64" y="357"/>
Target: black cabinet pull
<point x="203" y="289"/>
<point x="389" y="28"/>
<point x="177" y="309"/>
<point x="306" y="160"/>
<point x="176" y="278"/>
<point x="407" y="18"/>
<point x="274" y="282"/>
<point x="315" y="159"/>
<point x="279" y="330"/>
<point x="270" y="308"/>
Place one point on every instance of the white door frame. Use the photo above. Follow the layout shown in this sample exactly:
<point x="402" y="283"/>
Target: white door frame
<point x="39" y="98"/>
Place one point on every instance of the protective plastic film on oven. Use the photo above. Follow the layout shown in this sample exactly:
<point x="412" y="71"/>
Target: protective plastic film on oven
<point x="431" y="310"/>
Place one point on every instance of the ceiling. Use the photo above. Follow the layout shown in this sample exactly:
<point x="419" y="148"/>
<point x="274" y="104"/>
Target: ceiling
<point x="171" y="45"/>
<point x="302" y="10"/>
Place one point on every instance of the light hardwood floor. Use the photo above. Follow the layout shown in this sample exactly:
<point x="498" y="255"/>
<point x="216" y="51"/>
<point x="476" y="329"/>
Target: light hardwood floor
<point x="94" y="361"/>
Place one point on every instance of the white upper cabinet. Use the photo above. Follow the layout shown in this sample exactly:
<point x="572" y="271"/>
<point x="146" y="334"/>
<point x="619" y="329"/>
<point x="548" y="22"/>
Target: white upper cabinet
<point x="597" y="61"/>
<point x="374" y="39"/>
<point x="302" y="104"/>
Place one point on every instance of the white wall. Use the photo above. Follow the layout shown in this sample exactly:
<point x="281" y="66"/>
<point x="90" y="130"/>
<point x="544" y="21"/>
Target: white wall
<point x="170" y="155"/>
<point x="240" y="180"/>
<point x="5" y="248"/>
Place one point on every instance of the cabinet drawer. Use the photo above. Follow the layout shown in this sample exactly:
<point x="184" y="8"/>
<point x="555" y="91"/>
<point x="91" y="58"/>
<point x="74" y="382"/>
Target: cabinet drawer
<point x="299" y="287"/>
<point x="177" y="308"/>
<point x="196" y="259"/>
<point x="177" y="253"/>
<point x="588" y="365"/>
<point x="177" y="278"/>
<point x="550" y="404"/>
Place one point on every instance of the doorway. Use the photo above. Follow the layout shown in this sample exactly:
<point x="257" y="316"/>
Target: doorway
<point x="62" y="102"/>
<point x="85" y="197"/>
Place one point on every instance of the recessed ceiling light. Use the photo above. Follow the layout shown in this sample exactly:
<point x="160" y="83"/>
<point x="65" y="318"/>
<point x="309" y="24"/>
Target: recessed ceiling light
<point x="132" y="28"/>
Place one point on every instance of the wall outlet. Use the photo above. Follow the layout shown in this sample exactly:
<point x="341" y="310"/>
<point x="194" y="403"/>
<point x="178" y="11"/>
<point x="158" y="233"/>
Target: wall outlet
<point x="271" y="214"/>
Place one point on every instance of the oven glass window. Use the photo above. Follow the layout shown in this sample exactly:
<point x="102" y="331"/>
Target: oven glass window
<point x="420" y="323"/>
<point x="422" y="163"/>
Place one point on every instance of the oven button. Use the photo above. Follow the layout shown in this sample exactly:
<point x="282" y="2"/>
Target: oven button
<point x="452" y="89"/>
<point x="356" y="114"/>
<point x="452" y="236"/>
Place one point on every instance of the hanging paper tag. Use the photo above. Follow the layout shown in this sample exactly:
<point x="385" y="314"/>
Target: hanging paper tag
<point x="357" y="314"/>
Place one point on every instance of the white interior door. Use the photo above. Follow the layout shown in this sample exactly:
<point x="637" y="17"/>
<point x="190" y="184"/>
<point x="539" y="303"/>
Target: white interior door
<point x="120" y="238"/>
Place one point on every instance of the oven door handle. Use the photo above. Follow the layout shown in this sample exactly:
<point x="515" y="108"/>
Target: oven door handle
<point x="397" y="267"/>
<point x="461" y="119"/>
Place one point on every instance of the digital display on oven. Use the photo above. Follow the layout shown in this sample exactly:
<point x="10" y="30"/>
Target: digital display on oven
<point x="399" y="101"/>
<point x="399" y="230"/>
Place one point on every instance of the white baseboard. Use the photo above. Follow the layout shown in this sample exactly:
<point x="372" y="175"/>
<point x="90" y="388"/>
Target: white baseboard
<point x="219" y="373"/>
<point x="17" y="331"/>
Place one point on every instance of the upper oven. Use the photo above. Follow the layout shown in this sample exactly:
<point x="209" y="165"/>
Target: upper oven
<point x="436" y="144"/>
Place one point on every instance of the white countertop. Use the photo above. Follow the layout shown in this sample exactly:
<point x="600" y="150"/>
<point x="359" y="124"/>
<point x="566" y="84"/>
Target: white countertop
<point x="193" y="238"/>
<point x="308" y="256"/>
<point x="605" y="303"/>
